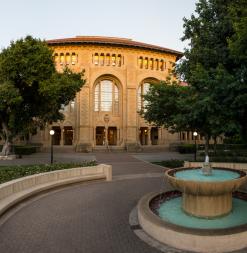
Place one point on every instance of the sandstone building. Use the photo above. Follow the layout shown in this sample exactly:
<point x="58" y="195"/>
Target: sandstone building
<point x="104" y="113"/>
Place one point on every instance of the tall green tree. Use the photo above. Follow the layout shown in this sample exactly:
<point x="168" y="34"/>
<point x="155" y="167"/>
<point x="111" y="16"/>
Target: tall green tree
<point x="214" y="102"/>
<point x="213" y="64"/>
<point x="237" y="91"/>
<point x="31" y="90"/>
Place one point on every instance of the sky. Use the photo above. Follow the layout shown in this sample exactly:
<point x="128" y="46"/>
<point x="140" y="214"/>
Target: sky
<point x="158" y="22"/>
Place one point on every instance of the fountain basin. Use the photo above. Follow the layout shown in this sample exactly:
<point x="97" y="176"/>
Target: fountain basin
<point x="192" y="239"/>
<point x="208" y="197"/>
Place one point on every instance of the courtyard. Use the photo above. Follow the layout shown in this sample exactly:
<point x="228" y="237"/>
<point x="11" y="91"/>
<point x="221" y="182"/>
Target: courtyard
<point x="87" y="217"/>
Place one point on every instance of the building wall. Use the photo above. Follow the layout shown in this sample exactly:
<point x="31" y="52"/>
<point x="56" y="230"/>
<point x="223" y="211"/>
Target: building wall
<point x="82" y="117"/>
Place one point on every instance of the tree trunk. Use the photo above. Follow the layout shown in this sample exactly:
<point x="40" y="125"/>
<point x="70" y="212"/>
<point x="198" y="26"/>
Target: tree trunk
<point x="7" y="144"/>
<point x="206" y="144"/>
<point x="215" y="145"/>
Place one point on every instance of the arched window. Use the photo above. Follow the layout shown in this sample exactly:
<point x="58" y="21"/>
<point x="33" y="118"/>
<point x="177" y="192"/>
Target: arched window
<point x="96" y="59"/>
<point x="119" y="60"/>
<point x="67" y="58"/>
<point x="140" y="62"/>
<point x="101" y="59"/>
<point x="56" y="58"/>
<point x="151" y="63"/>
<point x="145" y="63"/>
<point x="73" y="59"/>
<point x="113" y="60"/>
<point x="143" y="90"/>
<point x="156" y="67"/>
<point x="106" y="96"/>
<point x="161" y="65"/>
<point x="61" y="58"/>
<point x="108" y="59"/>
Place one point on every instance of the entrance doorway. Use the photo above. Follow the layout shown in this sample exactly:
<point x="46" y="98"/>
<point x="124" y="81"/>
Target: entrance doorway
<point x="112" y="136"/>
<point x="57" y="135"/>
<point x="143" y="136"/>
<point x="154" y="135"/>
<point x="68" y="135"/>
<point x="100" y="135"/>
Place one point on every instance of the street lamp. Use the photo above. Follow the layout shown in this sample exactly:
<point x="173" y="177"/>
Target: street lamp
<point x="195" y="135"/>
<point x="106" y="120"/>
<point x="52" y="132"/>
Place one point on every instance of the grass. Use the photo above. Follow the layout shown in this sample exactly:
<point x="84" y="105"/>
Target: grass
<point x="8" y="173"/>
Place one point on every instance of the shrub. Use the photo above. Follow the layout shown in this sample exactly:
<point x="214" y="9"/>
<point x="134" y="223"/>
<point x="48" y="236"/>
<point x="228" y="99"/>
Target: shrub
<point x="24" y="150"/>
<point x="8" y="173"/>
<point x="186" y="149"/>
<point x="171" y="163"/>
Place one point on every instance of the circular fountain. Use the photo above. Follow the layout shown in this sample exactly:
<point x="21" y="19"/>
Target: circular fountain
<point x="201" y="215"/>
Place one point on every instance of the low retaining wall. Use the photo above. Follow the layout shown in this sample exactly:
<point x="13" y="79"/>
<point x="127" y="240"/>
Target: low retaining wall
<point x="17" y="190"/>
<point x="236" y="166"/>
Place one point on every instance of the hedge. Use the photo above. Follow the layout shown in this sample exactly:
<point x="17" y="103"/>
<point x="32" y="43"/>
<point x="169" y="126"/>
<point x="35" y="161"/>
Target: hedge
<point x="8" y="173"/>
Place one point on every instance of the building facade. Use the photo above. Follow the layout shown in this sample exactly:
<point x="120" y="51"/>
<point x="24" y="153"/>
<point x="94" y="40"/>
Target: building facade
<point x="104" y="113"/>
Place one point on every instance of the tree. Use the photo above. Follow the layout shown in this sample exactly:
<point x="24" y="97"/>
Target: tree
<point x="31" y="90"/>
<point x="213" y="35"/>
<point x="214" y="102"/>
<point x="181" y="108"/>
<point x="237" y="92"/>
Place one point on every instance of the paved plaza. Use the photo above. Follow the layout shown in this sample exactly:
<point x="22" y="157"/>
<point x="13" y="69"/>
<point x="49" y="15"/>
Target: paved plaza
<point x="88" y="217"/>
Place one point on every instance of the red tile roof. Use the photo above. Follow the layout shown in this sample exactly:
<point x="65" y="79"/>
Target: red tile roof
<point x="112" y="41"/>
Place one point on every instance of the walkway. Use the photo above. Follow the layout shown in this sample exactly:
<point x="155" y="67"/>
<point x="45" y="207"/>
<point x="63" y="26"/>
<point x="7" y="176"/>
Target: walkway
<point x="87" y="218"/>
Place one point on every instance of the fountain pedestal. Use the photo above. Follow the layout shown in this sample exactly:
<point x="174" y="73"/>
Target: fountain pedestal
<point x="207" y="206"/>
<point x="205" y="199"/>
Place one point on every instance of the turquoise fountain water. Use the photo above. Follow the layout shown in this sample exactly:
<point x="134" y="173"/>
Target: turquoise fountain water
<point x="171" y="211"/>
<point x="206" y="184"/>
<point x="200" y="214"/>
<point x="197" y="175"/>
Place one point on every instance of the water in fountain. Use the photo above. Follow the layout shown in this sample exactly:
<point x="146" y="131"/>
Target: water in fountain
<point x="172" y="212"/>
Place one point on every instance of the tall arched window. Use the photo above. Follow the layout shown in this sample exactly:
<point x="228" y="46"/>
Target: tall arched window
<point x="73" y="58"/>
<point x="108" y="59"/>
<point x="56" y="58"/>
<point x="113" y="60"/>
<point x="145" y="63"/>
<point x="106" y="97"/>
<point x="119" y="60"/>
<point x="67" y="58"/>
<point x="96" y="58"/>
<point x="101" y="59"/>
<point x="62" y="58"/>
<point x="161" y="65"/>
<point x="143" y="89"/>
<point x="140" y="62"/>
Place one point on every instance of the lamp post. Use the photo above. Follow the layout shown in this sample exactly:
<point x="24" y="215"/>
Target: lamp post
<point x="106" y="120"/>
<point x="195" y="135"/>
<point x="52" y="132"/>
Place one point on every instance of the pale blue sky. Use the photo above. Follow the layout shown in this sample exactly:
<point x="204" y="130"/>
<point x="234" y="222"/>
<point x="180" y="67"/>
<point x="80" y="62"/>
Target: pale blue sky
<point x="156" y="22"/>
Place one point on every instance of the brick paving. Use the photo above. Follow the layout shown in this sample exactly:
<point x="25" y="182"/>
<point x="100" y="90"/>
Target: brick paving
<point x="84" y="218"/>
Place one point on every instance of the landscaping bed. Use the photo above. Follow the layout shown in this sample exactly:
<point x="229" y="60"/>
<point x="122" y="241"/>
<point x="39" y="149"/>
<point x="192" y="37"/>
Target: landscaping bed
<point x="8" y="173"/>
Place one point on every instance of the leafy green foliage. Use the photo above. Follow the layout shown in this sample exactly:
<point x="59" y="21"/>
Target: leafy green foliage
<point x="173" y="163"/>
<point x="214" y="64"/>
<point x="31" y="90"/>
<point x="215" y="100"/>
<point x="8" y="173"/>
<point x="186" y="149"/>
<point x="24" y="150"/>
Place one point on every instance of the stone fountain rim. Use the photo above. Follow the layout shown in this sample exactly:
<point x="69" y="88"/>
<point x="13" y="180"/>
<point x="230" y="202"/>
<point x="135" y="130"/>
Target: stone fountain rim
<point x="145" y="205"/>
<point x="171" y="174"/>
